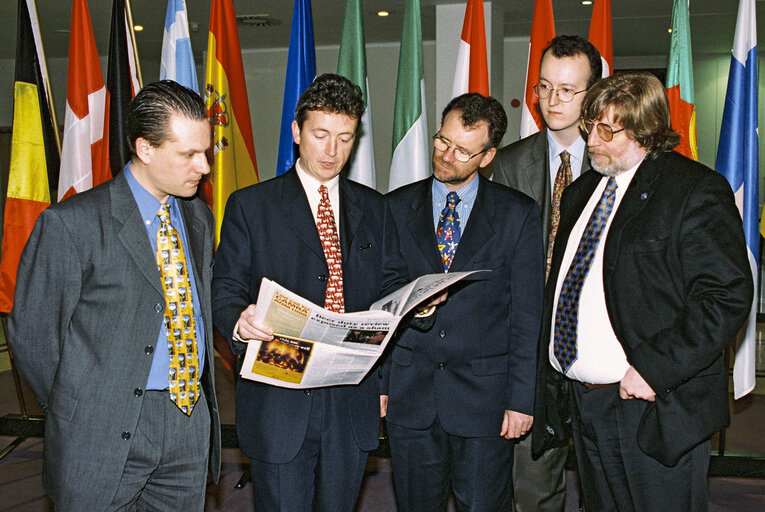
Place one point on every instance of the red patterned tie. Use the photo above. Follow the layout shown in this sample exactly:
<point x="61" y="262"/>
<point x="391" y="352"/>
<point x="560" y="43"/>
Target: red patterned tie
<point x="330" y="242"/>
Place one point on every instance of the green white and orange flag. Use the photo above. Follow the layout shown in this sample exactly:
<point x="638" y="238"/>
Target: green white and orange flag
<point x="680" y="81"/>
<point x="233" y="152"/>
<point x="33" y="150"/>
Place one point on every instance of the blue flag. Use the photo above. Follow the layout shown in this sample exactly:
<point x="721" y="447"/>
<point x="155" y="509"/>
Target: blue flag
<point x="177" y="57"/>
<point x="738" y="161"/>
<point x="301" y="70"/>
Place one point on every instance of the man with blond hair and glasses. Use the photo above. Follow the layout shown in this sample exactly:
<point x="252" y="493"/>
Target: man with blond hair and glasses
<point x="649" y="282"/>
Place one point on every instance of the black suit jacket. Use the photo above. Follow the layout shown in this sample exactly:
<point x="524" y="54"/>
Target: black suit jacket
<point x="678" y="287"/>
<point x="478" y="358"/>
<point x="525" y="166"/>
<point x="269" y="231"/>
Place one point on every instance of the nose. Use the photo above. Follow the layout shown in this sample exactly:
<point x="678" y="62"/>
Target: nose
<point x="448" y="155"/>
<point x="202" y="165"/>
<point x="331" y="147"/>
<point x="553" y="98"/>
<point x="593" y="138"/>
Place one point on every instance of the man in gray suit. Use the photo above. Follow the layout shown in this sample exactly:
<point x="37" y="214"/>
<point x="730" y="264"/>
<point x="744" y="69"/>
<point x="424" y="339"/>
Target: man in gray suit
<point x="113" y="332"/>
<point x="540" y="166"/>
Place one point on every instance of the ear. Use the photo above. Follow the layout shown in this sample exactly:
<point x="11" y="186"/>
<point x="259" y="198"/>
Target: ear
<point x="295" y="132"/>
<point x="144" y="150"/>
<point x="488" y="157"/>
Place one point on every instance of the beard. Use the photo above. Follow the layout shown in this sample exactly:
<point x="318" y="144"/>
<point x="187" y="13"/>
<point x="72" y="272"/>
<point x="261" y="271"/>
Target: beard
<point x="609" y="168"/>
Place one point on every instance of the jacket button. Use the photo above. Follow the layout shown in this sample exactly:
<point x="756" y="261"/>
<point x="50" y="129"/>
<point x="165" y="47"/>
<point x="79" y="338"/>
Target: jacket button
<point x="322" y="277"/>
<point x="138" y="391"/>
<point x="148" y="350"/>
<point x="442" y="334"/>
<point x="125" y="435"/>
<point x="442" y="366"/>
<point x="159" y="308"/>
<point x="307" y="392"/>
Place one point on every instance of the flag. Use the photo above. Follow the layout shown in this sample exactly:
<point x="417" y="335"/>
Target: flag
<point x="472" y="74"/>
<point x="542" y="32"/>
<point x="301" y="70"/>
<point x="410" y="160"/>
<point x="177" y="58"/>
<point x="738" y="161"/>
<point x="85" y="149"/>
<point x="601" y="34"/>
<point x="33" y="151"/>
<point x="352" y="64"/>
<point x="233" y="152"/>
<point x="680" y="81"/>
<point x="122" y="84"/>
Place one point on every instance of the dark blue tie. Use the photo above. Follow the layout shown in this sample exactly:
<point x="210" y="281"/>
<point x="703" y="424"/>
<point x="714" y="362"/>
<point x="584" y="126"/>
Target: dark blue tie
<point x="567" y="315"/>
<point x="448" y="230"/>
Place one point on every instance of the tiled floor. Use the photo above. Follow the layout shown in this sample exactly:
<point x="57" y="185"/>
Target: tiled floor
<point x="21" y="488"/>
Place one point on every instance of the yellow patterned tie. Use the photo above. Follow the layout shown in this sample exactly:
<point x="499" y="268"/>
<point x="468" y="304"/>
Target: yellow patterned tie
<point x="179" y="315"/>
<point x="562" y="180"/>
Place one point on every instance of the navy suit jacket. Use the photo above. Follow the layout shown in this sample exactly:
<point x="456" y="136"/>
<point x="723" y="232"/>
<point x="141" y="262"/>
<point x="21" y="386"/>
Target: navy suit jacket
<point x="478" y="358"/>
<point x="678" y="287"/>
<point x="269" y="231"/>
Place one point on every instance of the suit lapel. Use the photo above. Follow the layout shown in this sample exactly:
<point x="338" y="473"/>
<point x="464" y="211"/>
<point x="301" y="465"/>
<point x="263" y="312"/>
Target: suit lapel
<point x="131" y="232"/>
<point x="297" y="214"/>
<point x="350" y="216"/>
<point x="478" y="230"/>
<point x="195" y="234"/>
<point x="421" y="225"/>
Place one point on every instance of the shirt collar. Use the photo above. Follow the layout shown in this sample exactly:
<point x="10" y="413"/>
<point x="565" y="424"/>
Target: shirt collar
<point x="576" y="150"/>
<point x="148" y="205"/>
<point x="467" y="193"/>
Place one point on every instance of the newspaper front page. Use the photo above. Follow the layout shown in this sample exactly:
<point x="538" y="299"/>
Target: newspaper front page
<point x="314" y="347"/>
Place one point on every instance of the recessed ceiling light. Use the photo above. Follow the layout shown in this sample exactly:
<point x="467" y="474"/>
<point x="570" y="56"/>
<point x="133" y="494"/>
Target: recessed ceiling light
<point x="137" y="28"/>
<point x="383" y="14"/>
<point x="586" y="2"/>
<point x="669" y="30"/>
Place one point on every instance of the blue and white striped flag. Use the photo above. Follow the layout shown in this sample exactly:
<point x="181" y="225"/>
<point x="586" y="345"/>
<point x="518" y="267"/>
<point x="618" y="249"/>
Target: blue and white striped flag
<point x="738" y="161"/>
<point x="177" y="58"/>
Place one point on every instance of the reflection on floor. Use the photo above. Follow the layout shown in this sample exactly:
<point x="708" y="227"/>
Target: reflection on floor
<point x="21" y="487"/>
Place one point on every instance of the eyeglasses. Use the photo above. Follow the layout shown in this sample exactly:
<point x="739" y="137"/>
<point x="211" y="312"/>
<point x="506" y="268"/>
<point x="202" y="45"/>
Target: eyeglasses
<point x="544" y="91"/>
<point x="605" y="132"/>
<point x="460" y="154"/>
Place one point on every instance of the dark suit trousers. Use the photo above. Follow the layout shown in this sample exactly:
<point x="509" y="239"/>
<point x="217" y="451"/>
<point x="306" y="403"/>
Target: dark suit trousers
<point x="167" y="462"/>
<point x="615" y="473"/>
<point x="325" y="475"/>
<point x="426" y="461"/>
<point x="539" y="485"/>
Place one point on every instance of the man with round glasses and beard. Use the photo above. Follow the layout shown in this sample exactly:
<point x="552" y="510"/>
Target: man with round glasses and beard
<point x="649" y="282"/>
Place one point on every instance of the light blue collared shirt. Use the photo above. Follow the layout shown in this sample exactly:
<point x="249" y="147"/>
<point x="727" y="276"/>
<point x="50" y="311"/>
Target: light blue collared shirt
<point x="576" y="150"/>
<point x="148" y="205"/>
<point x="467" y="195"/>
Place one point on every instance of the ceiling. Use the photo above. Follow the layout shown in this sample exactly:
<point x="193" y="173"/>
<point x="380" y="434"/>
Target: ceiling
<point x="639" y="26"/>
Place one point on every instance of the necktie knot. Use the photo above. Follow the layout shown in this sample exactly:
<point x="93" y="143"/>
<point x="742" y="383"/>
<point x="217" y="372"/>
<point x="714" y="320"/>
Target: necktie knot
<point x="452" y="199"/>
<point x="164" y="213"/>
<point x="565" y="157"/>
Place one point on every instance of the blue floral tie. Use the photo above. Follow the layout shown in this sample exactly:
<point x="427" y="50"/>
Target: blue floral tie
<point x="448" y="230"/>
<point x="567" y="314"/>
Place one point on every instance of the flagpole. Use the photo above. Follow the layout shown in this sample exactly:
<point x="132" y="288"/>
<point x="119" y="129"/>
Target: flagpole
<point x="129" y="12"/>
<point x="48" y="93"/>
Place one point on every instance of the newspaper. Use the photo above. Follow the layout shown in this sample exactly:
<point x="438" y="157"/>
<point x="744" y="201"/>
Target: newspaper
<point x="314" y="347"/>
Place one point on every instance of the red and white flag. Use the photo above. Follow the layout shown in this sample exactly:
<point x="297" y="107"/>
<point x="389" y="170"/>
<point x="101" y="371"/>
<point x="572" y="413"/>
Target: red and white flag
<point x="85" y="149"/>
<point x="601" y="35"/>
<point x="472" y="74"/>
<point x="542" y="32"/>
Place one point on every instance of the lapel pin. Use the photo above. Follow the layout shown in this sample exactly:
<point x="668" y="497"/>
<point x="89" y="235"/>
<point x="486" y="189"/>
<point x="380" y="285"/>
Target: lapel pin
<point x="644" y="196"/>
<point x="365" y="246"/>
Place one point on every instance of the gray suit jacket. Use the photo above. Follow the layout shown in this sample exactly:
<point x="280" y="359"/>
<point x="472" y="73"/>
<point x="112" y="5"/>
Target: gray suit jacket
<point x="524" y="165"/>
<point x="87" y="314"/>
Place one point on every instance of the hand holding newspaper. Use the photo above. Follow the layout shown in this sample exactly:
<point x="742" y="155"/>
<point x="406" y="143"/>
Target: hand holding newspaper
<point x="314" y="347"/>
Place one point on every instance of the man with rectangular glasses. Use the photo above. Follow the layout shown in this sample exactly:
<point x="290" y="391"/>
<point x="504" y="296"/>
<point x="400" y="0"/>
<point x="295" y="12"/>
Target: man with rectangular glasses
<point x="460" y="390"/>
<point x="541" y="166"/>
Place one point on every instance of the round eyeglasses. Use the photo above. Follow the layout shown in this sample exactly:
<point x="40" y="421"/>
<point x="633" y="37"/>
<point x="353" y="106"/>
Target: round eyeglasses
<point x="605" y="132"/>
<point x="544" y="91"/>
<point x="460" y="154"/>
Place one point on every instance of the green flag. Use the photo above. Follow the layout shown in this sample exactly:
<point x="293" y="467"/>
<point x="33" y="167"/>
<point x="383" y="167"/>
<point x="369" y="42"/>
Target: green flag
<point x="352" y="64"/>
<point x="410" y="126"/>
